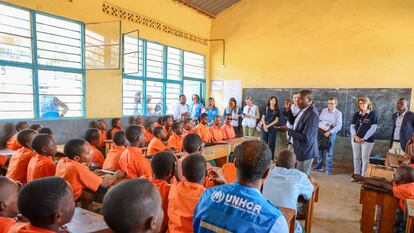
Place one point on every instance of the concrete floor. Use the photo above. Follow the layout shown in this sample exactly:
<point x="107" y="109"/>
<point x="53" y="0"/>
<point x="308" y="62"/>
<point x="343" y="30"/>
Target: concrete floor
<point x="338" y="209"/>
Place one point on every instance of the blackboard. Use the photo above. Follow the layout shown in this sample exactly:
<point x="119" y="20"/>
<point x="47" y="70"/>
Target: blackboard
<point x="384" y="100"/>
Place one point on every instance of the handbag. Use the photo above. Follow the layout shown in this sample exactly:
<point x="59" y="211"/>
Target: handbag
<point x="323" y="142"/>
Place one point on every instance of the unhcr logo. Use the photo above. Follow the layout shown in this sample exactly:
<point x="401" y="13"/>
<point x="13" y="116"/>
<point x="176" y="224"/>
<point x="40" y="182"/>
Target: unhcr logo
<point x="217" y="196"/>
<point x="237" y="202"/>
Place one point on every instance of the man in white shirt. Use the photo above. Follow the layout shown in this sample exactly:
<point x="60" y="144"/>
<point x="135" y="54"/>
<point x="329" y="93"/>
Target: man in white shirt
<point x="330" y="123"/>
<point x="181" y="110"/>
<point x="403" y="127"/>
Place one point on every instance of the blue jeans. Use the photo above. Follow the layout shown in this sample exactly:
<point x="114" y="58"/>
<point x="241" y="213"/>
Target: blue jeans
<point x="270" y="138"/>
<point x="329" y="155"/>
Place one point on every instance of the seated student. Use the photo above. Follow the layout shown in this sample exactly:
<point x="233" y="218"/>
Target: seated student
<point x="229" y="171"/>
<point x="74" y="170"/>
<point x="253" y="160"/>
<point x="45" y="130"/>
<point x="160" y="122"/>
<point x="168" y="121"/>
<point x="202" y="128"/>
<point x="42" y="165"/>
<point x="228" y="129"/>
<point x="133" y="206"/>
<point x="132" y="161"/>
<point x="215" y="131"/>
<point x="35" y="126"/>
<point x="175" y="142"/>
<point x="139" y="120"/>
<point x="48" y="204"/>
<point x="285" y="184"/>
<point x="164" y="166"/>
<point x="94" y="137"/>
<point x="188" y="125"/>
<point x="156" y="144"/>
<point x="12" y="143"/>
<point x="116" y="126"/>
<point x="147" y="130"/>
<point x="112" y="158"/>
<point x="184" y="195"/>
<point x="19" y="161"/>
<point x="102" y="127"/>
<point x="8" y="203"/>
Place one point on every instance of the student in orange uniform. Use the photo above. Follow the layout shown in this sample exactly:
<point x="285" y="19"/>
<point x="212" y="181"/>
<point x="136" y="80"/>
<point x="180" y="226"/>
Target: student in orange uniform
<point x="228" y="129"/>
<point x="132" y="161"/>
<point x="175" y="142"/>
<point x="116" y="126"/>
<point x="168" y="121"/>
<point x="156" y="144"/>
<point x="202" y="129"/>
<point x="184" y="195"/>
<point x="45" y="130"/>
<point x="48" y="204"/>
<point x="188" y="125"/>
<point x="102" y="127"/>
<point x="8" y="203"/>
<point x="133" y="206"/>
<point x="112" y="158"/>
<point x="94" y="137"/>
<point x="139" y="120"/>
<point x="35" y="126"/>
<point x="42" y="164"/>
<point x="74" y="170"/>
<point x="147" y="130"/>
<point x="164" y="166"/>
<point x="215" y="131"/>
<point x="12" y="143"/>
<point x="160" y="122"/>
<point x="19" y="161"/>
<point x="229" y="171"/>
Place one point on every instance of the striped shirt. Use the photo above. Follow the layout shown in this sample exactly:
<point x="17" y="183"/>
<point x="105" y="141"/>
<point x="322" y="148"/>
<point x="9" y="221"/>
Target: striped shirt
<point x="330" y="121"/>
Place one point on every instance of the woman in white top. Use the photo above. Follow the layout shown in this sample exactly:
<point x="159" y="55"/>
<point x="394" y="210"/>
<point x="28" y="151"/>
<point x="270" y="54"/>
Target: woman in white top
<point x="235" y="112"/>
<point x="250" y="116"/>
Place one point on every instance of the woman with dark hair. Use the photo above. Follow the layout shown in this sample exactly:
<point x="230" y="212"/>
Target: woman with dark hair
<point x="269" y="120"/>
<point x="211" y="109"/>
<point x="234" y="111"/>
<point x="196" y="107"/>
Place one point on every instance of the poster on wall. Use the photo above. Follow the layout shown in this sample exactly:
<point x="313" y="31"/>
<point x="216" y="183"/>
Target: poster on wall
<point x="216" y="85"/>
<point x="232" y="88"/>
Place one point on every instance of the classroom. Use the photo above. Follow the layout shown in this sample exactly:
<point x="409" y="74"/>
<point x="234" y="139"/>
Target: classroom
<point x="204" y="116"/>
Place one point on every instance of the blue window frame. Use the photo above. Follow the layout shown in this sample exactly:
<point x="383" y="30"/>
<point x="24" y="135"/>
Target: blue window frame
<point x="163" y="73"/>
<point x="42" y="73"/>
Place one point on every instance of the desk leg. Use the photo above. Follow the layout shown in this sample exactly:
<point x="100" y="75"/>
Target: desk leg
<point x="409" y="227"/>
<point x="368" y="211"/>
<point x="387" y="221"/>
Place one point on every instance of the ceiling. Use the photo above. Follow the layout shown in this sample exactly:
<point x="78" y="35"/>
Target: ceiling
<point x="210" y="8"/>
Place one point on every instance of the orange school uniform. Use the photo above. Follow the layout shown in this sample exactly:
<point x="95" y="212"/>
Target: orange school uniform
<point x="134" y="164"/>
<point x="182" y="201"/>
<point x="97" y="156"/>
<point x="176" y="141"/>
<point x="103" y="138"/>
<point x="40" y="166"/>
<point x="147" y="135"/>
<point x="19" y="162"/>
<point x="207" y="183"/>
<point x="164" y="188"/>
<point x="78" y="175"/>
<point x="155" y="146"/>
<point x="6" y="224"/>
<point x="203" y="132"/>
<point x="12" y="143"/>
<point x="228" y="132"/>
<point x="28" y="228"/>
<point x="112" y="158"/>
<point x="113" y="131"/>
<point x="403" y="192"/>
<point x="229" y="171"/>
<point x="186" y="132"/>
<point x="216" y="133"/>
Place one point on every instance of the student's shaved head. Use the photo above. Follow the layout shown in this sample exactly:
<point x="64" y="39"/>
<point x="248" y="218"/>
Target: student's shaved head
<point x="91" y="134"/>
<point x="35" y="126"/>
<point x="192" y="143"/>
<point x="162" y="164"/>
<point x="286" y="159"/>
<point x="4" y="184"/>
<point x="45" y="130"/>
<point x="22" y="125"/>
<point x="133" y="206"/>
<point x="133" y="133"/>
<point x="194" y="168"/>
<point x="41" y="141"/>
<point x="74" y="148"/>
<point x="8" y="197"/>
<point x="119" y="138"/>
<point x="157" y="131"/>
<point x="253" y="158"/>
<point x="25" y="137"/>
<point x="176" y="125"/>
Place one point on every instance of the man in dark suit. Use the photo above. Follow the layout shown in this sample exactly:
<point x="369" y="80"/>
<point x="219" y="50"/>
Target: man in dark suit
<point x="403" y="127"/>
<point x="304" y="131"/>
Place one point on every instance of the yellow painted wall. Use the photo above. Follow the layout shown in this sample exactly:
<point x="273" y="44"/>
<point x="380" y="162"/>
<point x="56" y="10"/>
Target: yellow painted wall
<point x="104" y="88"/>
<point x="316" y="43"/>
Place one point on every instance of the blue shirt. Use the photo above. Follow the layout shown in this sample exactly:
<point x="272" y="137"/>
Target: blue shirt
<point x="270" y="115"/>
<point x="50" y="107"/>
<point x="195" y="110"/>
<point x="212" y="112"/>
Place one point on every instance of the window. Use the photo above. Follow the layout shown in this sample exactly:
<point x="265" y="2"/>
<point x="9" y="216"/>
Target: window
<point x="44" y="81"/>
<point x="192" y="87"/>
<point x="155" y="60"/>
<point x="193" y="65"/>
<point x="173" y="64"/>
<point x="133" y="93"/>
<point x="173" y="92"/>
<point x="133" y="51"/>
<point x="155" y="98"/>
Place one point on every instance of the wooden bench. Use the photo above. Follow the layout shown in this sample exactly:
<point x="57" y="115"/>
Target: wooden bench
<point x="409" y="216"/>
<point x="379" y="171"/>
<point x="86" y="221"/>
<point x="396" y="160"/>
<point x="290" y="216"/>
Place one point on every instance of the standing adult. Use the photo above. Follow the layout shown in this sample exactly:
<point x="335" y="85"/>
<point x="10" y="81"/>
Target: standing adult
<point x="181" y="109"/>
<point x="330" y="123"/>
<point x="138" y="103"/>
<point x="403" y="127"/>
<point x="363" y="127"/>
<point x="250" y="116"/>
<point x="196" y="107"/>
<point x="305" y="130"/>
<point x="211" y="110"/>
<point x="269" y="119"/>
<point x="235" y="112"/>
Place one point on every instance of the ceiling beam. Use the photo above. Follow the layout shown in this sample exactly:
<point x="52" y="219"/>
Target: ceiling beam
<point x="189" y="4"/>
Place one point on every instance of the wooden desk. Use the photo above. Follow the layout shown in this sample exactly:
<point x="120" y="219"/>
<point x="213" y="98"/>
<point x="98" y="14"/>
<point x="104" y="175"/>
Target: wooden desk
<point x="290" y="216"/>
<point x="309" y="208"/>
<point x="396" y="160"/>
<point x="108" y="145"/>
<point x="84" y="221"/>
<point x="236" y="141"/>
<point x="372" y="197"/>
<point x="409" y="216"/>
<point x="379" y="171"/>
<point x="219" y="153"/>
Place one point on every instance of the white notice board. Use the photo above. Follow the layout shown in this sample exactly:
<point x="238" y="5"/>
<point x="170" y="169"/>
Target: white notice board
<point x="232" y="88"/>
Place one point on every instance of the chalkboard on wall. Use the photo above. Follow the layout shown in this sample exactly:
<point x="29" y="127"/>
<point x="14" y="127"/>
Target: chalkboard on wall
<point x="384" y="100"/>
